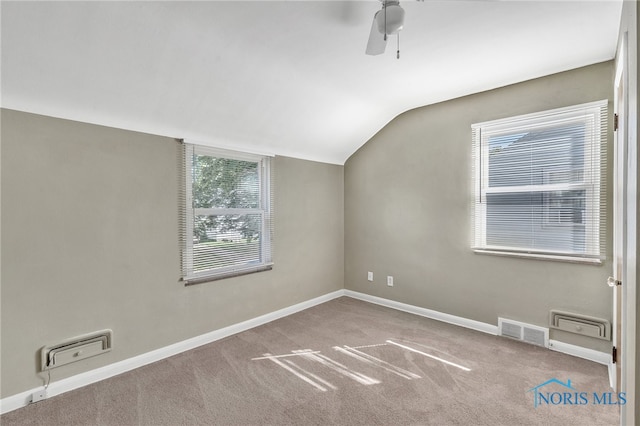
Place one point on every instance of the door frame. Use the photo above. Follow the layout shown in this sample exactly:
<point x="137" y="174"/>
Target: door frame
<point x="627" y="353"/>
<point x="620" y="155"/>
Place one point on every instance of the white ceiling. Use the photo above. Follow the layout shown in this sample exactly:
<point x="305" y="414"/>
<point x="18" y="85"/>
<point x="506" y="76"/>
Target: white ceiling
<point x="281" y="77"/>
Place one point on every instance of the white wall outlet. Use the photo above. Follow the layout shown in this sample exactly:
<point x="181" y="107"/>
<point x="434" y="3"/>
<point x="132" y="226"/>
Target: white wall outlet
<point x="39" y="395"/>
<point x="370" y="276"/>
<point x="390" y="281"/>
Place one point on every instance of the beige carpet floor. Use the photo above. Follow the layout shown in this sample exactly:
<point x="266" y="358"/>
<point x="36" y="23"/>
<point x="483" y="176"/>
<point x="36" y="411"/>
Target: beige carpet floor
<point x="340" y="363"/>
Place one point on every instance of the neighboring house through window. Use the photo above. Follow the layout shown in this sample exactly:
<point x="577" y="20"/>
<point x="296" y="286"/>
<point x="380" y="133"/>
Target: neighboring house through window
<point x="539" y="184"/>
<point x="225" y="213"/>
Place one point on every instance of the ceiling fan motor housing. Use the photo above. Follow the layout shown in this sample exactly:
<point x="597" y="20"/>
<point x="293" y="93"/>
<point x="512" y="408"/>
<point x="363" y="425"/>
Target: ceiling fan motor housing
<point x="394" y="18"/>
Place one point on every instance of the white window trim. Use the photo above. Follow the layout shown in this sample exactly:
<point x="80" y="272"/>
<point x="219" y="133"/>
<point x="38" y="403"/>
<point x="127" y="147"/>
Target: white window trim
<point x="591" y="180"/>
<point x="190" y="277"/>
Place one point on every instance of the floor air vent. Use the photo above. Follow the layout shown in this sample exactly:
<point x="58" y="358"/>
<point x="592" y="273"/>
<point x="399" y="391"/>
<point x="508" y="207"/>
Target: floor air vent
<point x="525" y="332"/>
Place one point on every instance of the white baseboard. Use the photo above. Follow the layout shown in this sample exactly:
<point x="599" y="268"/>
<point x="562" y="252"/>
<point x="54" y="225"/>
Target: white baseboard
<point x="555" y="345"/>
<point x="580" y="352"/>
<point x="56" y="388"/>
<point x="451" y="319"/>
<point x="74" y="382"/>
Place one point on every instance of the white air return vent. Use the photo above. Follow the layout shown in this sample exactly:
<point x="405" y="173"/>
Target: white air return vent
<point x="528" y="333"/>
<point x="76" y="349"/>
<point x="580" y="324"/>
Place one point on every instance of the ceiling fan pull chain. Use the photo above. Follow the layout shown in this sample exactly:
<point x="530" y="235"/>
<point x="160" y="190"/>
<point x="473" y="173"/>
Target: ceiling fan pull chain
<point x="384" y="4"/>
<point x="398" y="52"/>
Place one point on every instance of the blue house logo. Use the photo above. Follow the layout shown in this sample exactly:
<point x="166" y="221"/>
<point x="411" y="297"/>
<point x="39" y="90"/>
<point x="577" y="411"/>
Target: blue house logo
<point x="553" y="398"/>
<point x="568" y="395"/>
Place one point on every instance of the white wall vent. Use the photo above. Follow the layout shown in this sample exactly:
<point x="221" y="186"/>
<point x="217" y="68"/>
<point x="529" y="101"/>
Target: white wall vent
<point x="75" y="349"/>
<point x="525" y="332"/>
<point x="580" y="324"/>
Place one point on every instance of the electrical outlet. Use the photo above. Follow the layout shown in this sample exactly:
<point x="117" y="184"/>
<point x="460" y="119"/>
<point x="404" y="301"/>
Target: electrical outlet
<point x="390" y="281"/>
<point x="39" y="395"/>
<point x="370" y="276"/>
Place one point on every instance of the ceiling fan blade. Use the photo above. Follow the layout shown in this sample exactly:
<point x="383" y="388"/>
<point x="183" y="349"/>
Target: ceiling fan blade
<point x="377" y="42"/>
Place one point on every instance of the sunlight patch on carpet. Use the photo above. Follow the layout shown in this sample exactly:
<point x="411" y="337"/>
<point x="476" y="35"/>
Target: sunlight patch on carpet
<point x="317" y="359"/>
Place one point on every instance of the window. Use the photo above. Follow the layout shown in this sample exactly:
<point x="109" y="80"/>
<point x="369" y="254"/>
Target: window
<point x="539" y="184"/>
<point x="226" y="214"/>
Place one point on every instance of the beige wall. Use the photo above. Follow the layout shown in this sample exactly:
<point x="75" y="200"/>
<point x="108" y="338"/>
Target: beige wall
<point x="90" y="241"/>
<point x="408" y="205"/>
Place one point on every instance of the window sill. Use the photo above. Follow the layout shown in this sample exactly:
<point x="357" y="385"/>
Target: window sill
<point x="555" y="258"/>
<point x="221" y="276"/>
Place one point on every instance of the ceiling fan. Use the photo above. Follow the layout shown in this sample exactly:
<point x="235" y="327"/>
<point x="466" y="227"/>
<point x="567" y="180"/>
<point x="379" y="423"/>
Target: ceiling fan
<point x="387" y="21"/>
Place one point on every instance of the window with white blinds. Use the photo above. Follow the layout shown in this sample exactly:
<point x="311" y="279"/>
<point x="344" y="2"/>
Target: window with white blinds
<point x="225" y="214"/>
<point x="539" y="184"/>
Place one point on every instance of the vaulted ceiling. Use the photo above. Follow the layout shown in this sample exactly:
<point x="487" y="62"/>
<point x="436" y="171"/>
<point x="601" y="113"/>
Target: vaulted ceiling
<point x="282" y="77"/>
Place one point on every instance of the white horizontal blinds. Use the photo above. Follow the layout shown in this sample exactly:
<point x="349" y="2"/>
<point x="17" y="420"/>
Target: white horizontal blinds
<point x="228" y="213"/>
<point x="184" y="187"/>
<point x="478" y="207"/>
<point x="540" y="182"/>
